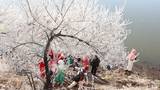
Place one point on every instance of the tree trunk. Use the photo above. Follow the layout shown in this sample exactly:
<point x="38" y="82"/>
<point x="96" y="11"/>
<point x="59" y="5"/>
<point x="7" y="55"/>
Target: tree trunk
<point x="47" y="85"/>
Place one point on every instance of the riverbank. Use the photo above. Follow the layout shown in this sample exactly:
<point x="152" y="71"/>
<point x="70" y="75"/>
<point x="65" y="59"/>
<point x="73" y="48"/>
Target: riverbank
<point x="144" y="77"/>
<point x="147" y="70"/>
<point x="106" y="80"/>
<point x="136" y="81"/>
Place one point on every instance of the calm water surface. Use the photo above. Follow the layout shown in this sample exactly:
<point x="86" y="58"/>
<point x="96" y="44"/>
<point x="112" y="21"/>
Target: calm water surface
<point x="145" y="26"/>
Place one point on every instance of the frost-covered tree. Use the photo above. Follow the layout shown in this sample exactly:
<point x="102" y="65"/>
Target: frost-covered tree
<point x="78" y="27"/>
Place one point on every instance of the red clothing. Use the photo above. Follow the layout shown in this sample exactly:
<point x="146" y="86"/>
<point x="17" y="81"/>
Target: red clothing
<point x="52" y="62"/>
<point x="85" y="63"/>
<point x="60" y="56"/>
<point x="51" y="54"/>
<point x="52" y="65"/>
<point x="41" y="66"/>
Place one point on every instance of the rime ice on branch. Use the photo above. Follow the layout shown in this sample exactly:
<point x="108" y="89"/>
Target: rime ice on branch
<point x="77" y="27"/>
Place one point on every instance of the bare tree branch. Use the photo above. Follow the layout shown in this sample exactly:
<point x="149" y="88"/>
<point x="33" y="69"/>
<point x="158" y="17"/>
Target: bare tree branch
<point x="79" y="31"/>
<point x="29" y="7"/>
<point x="68" y="8"/>
<point x="49" y="14"/>
<point x="63" y="16"/>
<point x="80" y="40"/>
<point x="46" y="34"/>
<point x="85" y="10"/>
<point x="35" y="54"/>
<point x="21" y="44"/>
<point x="62" y="4"/>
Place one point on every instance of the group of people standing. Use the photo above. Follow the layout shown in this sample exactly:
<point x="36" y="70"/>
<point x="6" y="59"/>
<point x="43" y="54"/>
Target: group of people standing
<point x="58" y="63"/>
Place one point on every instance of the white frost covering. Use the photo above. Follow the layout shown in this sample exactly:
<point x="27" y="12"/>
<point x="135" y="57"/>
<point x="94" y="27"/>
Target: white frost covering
<point x="4" y="67"/>
<point x="105" y="30"/>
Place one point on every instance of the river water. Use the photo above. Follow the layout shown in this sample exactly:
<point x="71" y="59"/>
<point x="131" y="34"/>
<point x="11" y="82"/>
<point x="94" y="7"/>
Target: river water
<point x="145" y="27"/>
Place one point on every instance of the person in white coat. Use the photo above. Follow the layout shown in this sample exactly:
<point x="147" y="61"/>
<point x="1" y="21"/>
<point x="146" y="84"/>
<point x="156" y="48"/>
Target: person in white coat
<point x="132" y="58"/>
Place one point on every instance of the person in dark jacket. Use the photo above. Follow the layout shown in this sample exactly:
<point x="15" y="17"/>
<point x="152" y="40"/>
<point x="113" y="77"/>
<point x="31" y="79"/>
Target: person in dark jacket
<point x="79" y="77"/>
<point x="95" y="63"/>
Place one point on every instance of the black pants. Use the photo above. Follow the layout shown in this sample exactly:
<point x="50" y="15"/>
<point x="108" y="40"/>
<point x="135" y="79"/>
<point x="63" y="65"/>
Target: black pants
<point x="128" y="72"/>
<point x="94" y="70"/>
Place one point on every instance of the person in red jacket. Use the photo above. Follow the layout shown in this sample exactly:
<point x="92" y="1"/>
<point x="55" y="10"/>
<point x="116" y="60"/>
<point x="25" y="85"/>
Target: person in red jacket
<point x="41" y="66"/>
<point x="85" y="66"/>
<point x="85" y="63"/>
<point x="60" y="56"/>
<point x="51" y="54"/>
<point x="52" y="62"/>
